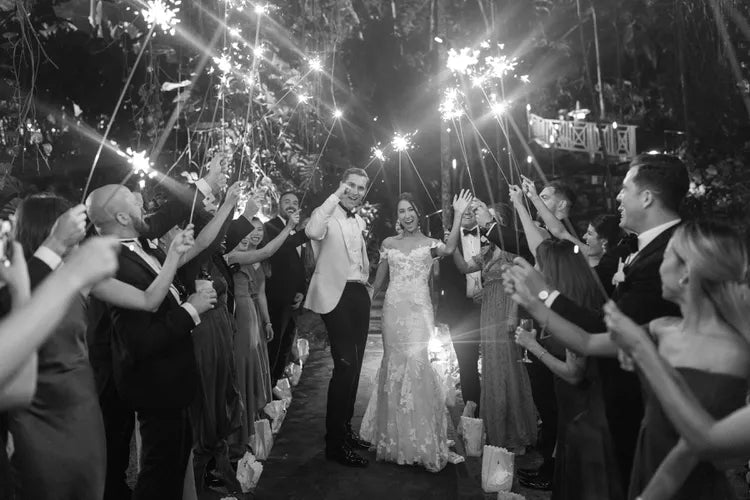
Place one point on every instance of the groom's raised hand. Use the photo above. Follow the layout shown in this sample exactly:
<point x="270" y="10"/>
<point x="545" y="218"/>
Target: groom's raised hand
<point x="343" y="190"/>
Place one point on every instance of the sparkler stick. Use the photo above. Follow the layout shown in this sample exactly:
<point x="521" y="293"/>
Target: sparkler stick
<point x="336" y="115"/>
<point x="408" y="156"/>
<point x="117" y="108"/>
<point x="462" y="145"/>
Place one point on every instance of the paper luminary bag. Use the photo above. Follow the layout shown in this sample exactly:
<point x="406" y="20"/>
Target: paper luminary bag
<point x="248" y="472"/>
<point x="293" y="372"/>
<point x="277" y="411"/>
<point x="301" y="350"/>
<point x="497" y="469"/>
<point x="262" y="440"/>
<point x="473" y="434"/>
<point x="508" y="495"/>
<point x="283" y="390"/>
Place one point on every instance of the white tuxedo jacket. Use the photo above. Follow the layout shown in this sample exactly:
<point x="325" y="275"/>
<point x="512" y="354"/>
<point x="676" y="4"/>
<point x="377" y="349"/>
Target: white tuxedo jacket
<point x="331" y="256"/>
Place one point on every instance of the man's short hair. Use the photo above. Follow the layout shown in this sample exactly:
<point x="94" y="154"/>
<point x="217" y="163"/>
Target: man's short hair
<point x="288" y="191"/>
<point x="563" y="191"/>
<point x="664" y="175"/>
<point x="354" y="171"/>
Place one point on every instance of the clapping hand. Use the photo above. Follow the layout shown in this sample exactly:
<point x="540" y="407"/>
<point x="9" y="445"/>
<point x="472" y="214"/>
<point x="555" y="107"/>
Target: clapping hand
<point x="461" y="202"/>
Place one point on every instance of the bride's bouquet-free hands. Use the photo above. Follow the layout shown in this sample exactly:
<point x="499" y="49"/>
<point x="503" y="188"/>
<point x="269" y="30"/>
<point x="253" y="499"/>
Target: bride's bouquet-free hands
<point x="461" y="202"/>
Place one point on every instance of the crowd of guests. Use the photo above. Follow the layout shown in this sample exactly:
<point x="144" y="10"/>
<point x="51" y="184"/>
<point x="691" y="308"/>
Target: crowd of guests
<point x="635" y="366"/>
<point x="641" y="410"/>
<point x="178" y="335"/>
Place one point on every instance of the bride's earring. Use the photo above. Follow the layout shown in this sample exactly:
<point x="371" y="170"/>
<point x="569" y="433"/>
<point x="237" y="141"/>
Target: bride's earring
<point x="683" y="281"/>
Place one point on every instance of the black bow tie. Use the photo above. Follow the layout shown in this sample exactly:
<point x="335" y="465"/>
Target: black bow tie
<point x="629" y="244"/>
<point x="346" y="210"/>
<point x="473" y="232"/>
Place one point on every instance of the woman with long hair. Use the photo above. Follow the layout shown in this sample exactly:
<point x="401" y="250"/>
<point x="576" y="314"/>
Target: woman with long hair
<point x="585" y="465"/>
<point x="64" y="414"/>
<point x="711" y="358"/>
<point x="254" y="330"/>
<point x="406" y="418"/>
<point x="506" y="402"/>
<point x="698" y="369"/>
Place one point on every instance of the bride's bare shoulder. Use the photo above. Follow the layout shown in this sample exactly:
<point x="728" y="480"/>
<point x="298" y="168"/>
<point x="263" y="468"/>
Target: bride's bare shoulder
<point x="390" y="242"/>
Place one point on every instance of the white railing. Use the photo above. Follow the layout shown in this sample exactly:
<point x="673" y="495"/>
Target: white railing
<point x="584" y="137"/>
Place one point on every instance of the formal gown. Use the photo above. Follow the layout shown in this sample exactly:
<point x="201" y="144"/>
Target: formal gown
<point x="585" y="465"/>
<point x="406" y="418"/>
<point x="719" y="395"/>
<point x="250" y="352"/>
<point x="59" y="440"/>
<point x="507" y="407"/>
<point x="216" y="411"/>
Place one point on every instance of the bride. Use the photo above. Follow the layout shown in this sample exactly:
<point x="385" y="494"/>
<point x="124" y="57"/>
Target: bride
<point x="406" y="418"/>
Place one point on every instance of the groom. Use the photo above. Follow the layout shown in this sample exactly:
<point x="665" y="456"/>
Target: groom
<point x="339" y="293"/>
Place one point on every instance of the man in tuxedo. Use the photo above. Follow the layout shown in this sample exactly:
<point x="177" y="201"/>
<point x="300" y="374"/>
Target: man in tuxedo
<point x="339" y="293"/>
<point x="651" y="194"/>
<point x="456" y="306"/>
<point x="285" y="288"/>
<point x="152" y="353"/>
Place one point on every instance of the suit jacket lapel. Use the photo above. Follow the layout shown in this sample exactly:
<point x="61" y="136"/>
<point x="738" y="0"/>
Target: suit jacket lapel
<point x="127" y="253"/>
<point x="657" y="244"/>
<point x="340" y="220"/>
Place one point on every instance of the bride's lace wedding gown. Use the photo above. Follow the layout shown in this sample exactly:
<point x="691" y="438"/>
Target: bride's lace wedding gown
<point x="406" y="418"/>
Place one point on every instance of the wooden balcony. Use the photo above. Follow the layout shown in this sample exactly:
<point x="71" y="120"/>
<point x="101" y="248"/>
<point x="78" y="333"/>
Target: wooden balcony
<point x="584" y="137"/>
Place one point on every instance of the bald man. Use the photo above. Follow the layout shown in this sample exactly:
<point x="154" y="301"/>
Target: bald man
<point x="151" y="361"/>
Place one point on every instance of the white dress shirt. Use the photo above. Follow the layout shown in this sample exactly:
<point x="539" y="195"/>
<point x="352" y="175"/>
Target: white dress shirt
<point x="155" y="265"/>
<point x="291" y="233"/>
<point x="353" y="238"/>
<point x="471" y="246"/>
<point x="209" y="200"/>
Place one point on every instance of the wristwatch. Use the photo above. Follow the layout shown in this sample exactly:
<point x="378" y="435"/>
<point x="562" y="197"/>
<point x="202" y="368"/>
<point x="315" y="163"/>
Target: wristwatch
<point x="543" y="295"/>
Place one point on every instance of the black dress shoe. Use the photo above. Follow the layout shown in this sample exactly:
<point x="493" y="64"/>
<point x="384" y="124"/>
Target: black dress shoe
<point x="354" y="441"/>
<point x="527" y="473"/>
<point x="535" y="483"/>
<point x="345" y="456"/>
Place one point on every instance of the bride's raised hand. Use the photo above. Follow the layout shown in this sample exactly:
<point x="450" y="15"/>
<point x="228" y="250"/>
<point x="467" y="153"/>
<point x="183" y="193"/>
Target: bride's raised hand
<point x="461" y="202"/>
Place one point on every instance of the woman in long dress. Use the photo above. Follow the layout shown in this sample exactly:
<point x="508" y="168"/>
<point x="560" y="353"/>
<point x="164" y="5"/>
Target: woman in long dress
<point x="253" y="326"/>
<point x="406" y="418"/>
<point x="585" y="463"/>
<point x="506" y="404"/>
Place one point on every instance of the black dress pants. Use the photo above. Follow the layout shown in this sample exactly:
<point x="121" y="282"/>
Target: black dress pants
<point x="166" y="441"/>
<point x="465" y="336"/>
<point x="119" y="423"/>
<point x="347" y="325"/>
<point x="282" y="321"/>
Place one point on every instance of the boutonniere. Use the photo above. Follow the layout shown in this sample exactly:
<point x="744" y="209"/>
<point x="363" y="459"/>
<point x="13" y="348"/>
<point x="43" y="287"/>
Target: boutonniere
<point x="619" y="276"/>
<point x="483" y="240"/>
<point x="365" y="233"/>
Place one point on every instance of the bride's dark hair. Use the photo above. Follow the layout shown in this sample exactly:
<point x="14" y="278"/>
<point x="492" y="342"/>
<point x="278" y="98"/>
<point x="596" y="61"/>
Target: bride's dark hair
<point x="409" y="198"/>
<point x="35" y="217"/>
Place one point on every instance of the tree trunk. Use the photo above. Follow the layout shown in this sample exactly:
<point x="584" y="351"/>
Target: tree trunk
<point x="440" y="22"/>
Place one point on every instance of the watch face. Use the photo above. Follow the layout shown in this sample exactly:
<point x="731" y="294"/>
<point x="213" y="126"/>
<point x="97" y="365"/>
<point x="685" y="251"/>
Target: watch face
<point x="543" y="295"/>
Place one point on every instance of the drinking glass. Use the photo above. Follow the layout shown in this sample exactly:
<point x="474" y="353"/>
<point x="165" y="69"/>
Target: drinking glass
<point x="528" y="325"/>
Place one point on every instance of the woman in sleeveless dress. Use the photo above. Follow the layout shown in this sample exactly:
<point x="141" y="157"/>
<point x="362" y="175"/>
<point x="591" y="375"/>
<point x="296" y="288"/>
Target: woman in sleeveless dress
<point x="406" y="418"/>
<point x="585" y="464"/>
<point x="59" y="441"/>
<point x="708" y="348"/>
<point x="253" y="326"/>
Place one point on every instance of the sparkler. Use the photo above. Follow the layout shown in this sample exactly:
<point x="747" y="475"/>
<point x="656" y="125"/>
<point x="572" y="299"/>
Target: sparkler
<point x="315" y="64"/>
<point x="378" y="153"/>
<point x="337" y="113"/>
<point x="463" y="60"/>
<point x="162" y="14"/>
<point x="450" y="106"/>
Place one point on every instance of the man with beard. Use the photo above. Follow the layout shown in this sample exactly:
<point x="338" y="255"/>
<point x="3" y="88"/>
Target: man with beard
<point x="285" y="288"/>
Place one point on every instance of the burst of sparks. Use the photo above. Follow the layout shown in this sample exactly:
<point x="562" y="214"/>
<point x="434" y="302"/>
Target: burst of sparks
<point x="402" y="142"/>
<point x="338" y="114"/>
<point x="463" y="60"/>
<point x="378" y="153"/>
<point x="260" y="9"/>
<point x="524" y="78"/>
<point x="303" y="98"/>
<point x="315" y="64"/>
<point x="139" y="161"/>
<point x="500" y="66"/>
<point x="223" y="63"/>
<point x="450" y="107"/>
<point x="162" y="14"/>
<point x="258" y="51"/>
<point x="500" y="108"/>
